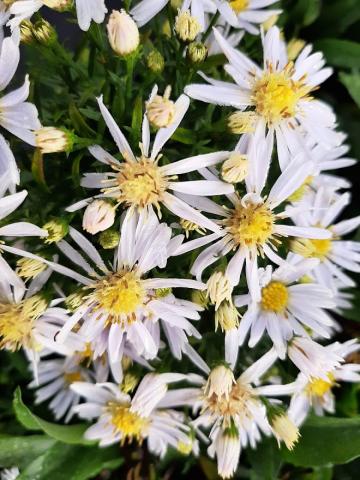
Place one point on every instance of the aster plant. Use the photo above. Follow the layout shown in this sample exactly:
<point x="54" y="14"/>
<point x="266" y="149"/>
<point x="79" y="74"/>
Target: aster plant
<point x="179" y="242"/>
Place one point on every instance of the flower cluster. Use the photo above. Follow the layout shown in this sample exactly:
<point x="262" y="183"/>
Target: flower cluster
<point x="244" y="242"/>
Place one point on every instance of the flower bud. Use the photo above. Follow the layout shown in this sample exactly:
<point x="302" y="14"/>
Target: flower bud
<point x="44" y="32"/>
<point x="285" y="430"/>
<point x="235" y="168"/>
<point x="53" y="140"/>
<point x="186" y="26"/>
<point x="26" y="32"/>
<point x="227" y="317"/>
<point x="58" y="5"/>
<point x="220" y="382"/>
<point x="28" y="268"/>
<point x="129" y="383"/>
<point x="270" y="22"/>
<point x="74" y="300"/>
<point x="200" y="298"/>
<point x="294" y="48"/>
<point x="161" y="111"/>
<point x="98" y="216"/>
<point x="57" y="229"/>
<point x="155" y="61"/>
<point x="197" y="52"/>
<point x="189" y="227"/>
<point x="109" y="239"/>
<point x="218" y="289"/>
<point x="163" y="292"/>
<point x="123" y="33"/>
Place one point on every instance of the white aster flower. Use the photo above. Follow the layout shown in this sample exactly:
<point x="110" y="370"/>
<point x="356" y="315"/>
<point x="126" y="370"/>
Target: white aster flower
<point x="140" y="183"/>
<point x="276" y="96"/>
<point x="54" y="379"/>
<point x="316" y="392"/>
<point x="287" y="306"/>
<point x="246" y="14"/>
<point x="16" y="115"/>
<point x="10" y="473"/>
<point x="99" y="215"/>
<point x="9" y="172"/>
<point x="120" y="303"/>
<point x="253" y="225"/>
<point x="123" y="419"/>
<point x="322" y="208"/>
<point x="4" y="17"/>
<point x="233" y="410"/>
<point x="87" y="10"/>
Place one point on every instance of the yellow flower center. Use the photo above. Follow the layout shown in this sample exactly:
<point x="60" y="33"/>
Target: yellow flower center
<point x="17" y="322"/>
<point x="235" y="404"/>
<point x="139" y="184"/>
<point x="318" y="387"/>
<point x="312" y="248"/>
<point x="239" y="5"/>
<point x="129" y="424"/>
<point x="276" y="95"/>
<point x="119" y="295"/>
<point x="250" y="225"/>
<point x="72" y="377"/>
<point x="274" y="297"/>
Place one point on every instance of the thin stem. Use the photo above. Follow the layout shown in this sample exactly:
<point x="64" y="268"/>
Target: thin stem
<point x="209" y="29"/>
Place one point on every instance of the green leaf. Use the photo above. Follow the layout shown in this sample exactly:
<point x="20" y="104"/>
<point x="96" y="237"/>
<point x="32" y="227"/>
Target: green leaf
<point x="136" y="121"/>
<point x="340" y="53"/>
<point x="67" y="462"/>
<point x="352" y="83"/>
<point x="72" y="434"/>
<point x="184" y="135"/>
<point x="320" y="473"/>
<point x="265" y="460"/>
<point x="326" y="440"/>
<point x="20" y="451"/>
<point x="339" y="15"/>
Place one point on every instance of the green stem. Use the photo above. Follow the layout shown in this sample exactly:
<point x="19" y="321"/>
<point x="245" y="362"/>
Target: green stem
<point x="130" y="63"/>
<point x="209" y="29"/>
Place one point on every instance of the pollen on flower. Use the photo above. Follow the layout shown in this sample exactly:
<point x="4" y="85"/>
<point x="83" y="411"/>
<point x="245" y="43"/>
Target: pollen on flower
<point x="276" y="96"/>
<point x="235" y="404"/>
<point x="274" y="297"/>
<point x="17" y="322"/>
<point x="139" y="184"/>
<point x="239" y="5"/>
<point x="318" y="387"/>
<point x="312" y="248"/>
<point x="130" y="425"/>
<point x="119" y="295"/>
<point x="71" y="377"/>
<point x="251" y="225"/>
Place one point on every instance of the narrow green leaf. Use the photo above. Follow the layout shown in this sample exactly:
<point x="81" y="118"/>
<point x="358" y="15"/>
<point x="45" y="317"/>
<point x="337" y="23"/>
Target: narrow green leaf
<point x="352" y="83"/>
<point x="20" y="451"/>
<point x="136" y="120"/>
<point x="67" y="462"/>
<point x="326" y="440"/>
<point x="340" y="53"/>
<point x="37" y="169"/>
<point x="72" y="434"/>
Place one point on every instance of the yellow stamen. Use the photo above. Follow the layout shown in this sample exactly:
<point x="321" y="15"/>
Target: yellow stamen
<point x="239" y="5"/>
<point x="119" y="295"/>
<point x="276" y="95"/>
<point x="189" y="227"/>
<point x="139" y="184"/>
<point x="251" y="225"/>
<point x="28" y="268"/>
<point x="274" y="297"/>
<point x="312" y="248"/>
<point x="129" y="424"/>
<point x="17" y="322"/>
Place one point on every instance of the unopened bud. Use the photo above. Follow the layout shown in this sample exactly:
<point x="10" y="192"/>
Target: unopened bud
<point x="220" y="382"/>
<point x="219" y="289"/>
<point x="235" y="168"/>
<point x="200" y="298"/>
<point x="190" y="227"/>
<point x="155" y="61"/>
<point x="26" y="32"/>
<point x="285" y="430"/>
<point x="98" y="216"/>
<point x="74" y="301"/>
<point x="227" y="317"/>
<point x="123" y="33"/>
<point x="242" y="122"/>
<point x="294" y="48"/>
<point x="29" y="268"/>
<point x="44" y="32"/>
<point x="57" y="229"/>
<point x="197" y="52"/>
<point x="53" y="140"/>
<point x="58" y="5"/>
<point x="270" y="22"/>
<point x="161" y="110"/>
<point x="186" y="26"/>
<point x="109" y="239"/>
